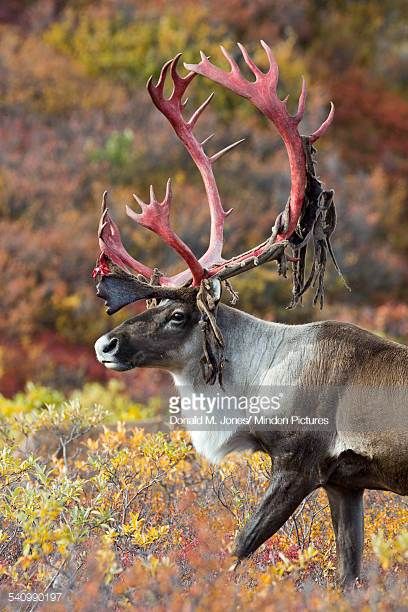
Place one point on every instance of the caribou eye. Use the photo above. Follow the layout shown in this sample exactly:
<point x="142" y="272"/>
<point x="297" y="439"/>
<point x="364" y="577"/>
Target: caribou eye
<point x="178" y="316"/>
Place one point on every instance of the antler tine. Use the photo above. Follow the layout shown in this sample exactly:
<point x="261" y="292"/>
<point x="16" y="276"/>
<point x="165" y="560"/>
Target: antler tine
<point x="216" y="156"/>
<point x="104" y="204"/>
<point x="169" y="193"/>
<point x="104" y="212"/>
<point x="139" y="201"/>
<point x="111" y="246"/>
<point x="162" y="77"/>
<point x="203" y="142"/>
<point x="197" y="113"/>
<point x="233" y="64"/>
<point x="249" y="62"/>
<point x="298" y="116"/>
<point x="325" y="125"/>
<point x="156" y="218"/>
<point x="273" y="66"/>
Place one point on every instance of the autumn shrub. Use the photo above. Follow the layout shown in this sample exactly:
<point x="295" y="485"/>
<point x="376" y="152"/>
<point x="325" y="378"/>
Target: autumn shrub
<point x="117" y="517"/>
<point x="38" y="398"/>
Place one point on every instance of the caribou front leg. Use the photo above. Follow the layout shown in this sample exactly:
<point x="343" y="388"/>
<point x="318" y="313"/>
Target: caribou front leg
<point x="287" y="490"/>
<point x="346" y="506"/>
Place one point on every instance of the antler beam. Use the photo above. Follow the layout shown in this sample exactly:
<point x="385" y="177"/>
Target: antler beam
<point x="172" y="108"/>
<point x="262" y="93"/>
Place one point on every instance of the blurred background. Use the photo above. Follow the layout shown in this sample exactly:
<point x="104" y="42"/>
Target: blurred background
<point x="76" y="119"/>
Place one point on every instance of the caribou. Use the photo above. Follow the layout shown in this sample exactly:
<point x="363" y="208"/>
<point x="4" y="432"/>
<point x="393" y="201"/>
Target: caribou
<point x="205" y="344"/>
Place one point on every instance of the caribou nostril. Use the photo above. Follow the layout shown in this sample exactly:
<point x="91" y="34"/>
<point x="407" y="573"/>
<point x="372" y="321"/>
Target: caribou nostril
<point x="111" y="347"/>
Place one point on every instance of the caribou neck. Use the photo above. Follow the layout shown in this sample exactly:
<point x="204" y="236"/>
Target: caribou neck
<point x="256" y="352"/>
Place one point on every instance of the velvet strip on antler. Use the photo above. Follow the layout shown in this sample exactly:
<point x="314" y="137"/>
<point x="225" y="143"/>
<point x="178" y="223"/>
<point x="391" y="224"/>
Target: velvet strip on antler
<point x="315" y="227"/>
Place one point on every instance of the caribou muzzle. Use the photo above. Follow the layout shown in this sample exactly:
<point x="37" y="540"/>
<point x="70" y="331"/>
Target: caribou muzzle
<point x="108" y="352"/>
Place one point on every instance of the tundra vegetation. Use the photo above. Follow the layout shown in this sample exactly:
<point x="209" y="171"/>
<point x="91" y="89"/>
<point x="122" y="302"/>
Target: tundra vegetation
<point x="92" y="506"/>
<point x="114" y="517"/>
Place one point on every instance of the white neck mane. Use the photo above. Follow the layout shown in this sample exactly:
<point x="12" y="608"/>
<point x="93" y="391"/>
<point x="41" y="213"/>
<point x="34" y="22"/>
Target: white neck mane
<point x="256" y="353"/>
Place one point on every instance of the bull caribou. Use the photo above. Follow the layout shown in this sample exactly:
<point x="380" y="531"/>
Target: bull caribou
<point x="206" y="344"/>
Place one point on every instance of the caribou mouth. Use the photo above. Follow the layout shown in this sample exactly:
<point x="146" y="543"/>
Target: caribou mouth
<point x="117" y="365"/>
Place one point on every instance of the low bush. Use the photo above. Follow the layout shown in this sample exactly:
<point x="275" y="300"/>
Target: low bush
<point x="114" y="517"/>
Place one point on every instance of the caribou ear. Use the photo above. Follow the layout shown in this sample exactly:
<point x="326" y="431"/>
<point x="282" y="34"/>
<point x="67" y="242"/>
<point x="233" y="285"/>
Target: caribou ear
<point x="120" y="290"/>
<point x="215" y="287"/>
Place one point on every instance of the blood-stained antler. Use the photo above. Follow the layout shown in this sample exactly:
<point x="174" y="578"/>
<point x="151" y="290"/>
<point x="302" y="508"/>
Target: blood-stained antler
<point x="296" y="225"/>
<point x="262" y="92"/>
<point x="172" y="109"/>
<point x="155" y="216"/>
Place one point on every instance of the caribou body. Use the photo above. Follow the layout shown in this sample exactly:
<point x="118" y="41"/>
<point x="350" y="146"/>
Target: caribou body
<point x="337" y="372"/>
<point x="325" y="354"/>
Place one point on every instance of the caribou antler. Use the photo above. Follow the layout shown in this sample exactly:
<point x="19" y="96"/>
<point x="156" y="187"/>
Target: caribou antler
<point x="262" y="93"/>
<point x="156" y="216"/>
<point x="172" y="109"/>
<point x="296" y="224"/>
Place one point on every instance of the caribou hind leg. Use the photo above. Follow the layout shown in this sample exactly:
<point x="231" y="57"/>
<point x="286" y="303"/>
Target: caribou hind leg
<point x="346" y="506"/>
<point x="286" y="491"/>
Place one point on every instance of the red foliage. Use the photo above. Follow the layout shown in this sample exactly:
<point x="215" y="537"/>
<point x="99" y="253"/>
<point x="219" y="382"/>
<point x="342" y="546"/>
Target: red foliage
<point x="46" y="358"/>
<point x="375" y="118"/>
